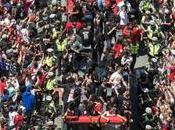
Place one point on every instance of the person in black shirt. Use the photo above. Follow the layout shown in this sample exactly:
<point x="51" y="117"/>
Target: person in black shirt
<point x="86" y="34"/>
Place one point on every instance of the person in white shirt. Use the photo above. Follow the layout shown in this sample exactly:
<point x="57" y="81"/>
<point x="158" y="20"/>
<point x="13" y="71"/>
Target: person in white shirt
<point x="25" y="34"/>
<point x="126" y="60"/>
<point x="123" y="16"/>
<point x="116" y="79"/>
<point x="12" y="114"/>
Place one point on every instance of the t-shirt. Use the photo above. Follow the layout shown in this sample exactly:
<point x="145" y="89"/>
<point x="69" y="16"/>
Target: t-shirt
<point x="42" y="79"/>
<point x="115" y="78"/>
<point x="2" y="87"/>
<point x="126" y="31"/>
<point x="171" y="76"/>
<point x="51" y="84"/>
<point x="135" y="34"/>
<point x="118" y="49"/>
<point x="19" y="119"/>
<point x="115" y="9"/>
<point x="3" y="66"/>
<point x="86" y="37"/>
<point x="98" y="107"/>
<point x="11" y="118"/>
<point x="123" y="18"/>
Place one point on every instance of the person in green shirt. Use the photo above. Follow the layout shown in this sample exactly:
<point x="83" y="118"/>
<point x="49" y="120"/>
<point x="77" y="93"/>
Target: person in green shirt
<point x="50" y="108"/>
<point x="154" y="47"/>
<point x="54" y="33"/>
<point x="61" y="44"/>
<point x="146" y="5"/>
<point x="148" y="117"/>
<point x="134" y="49"/>
<point x="51" y="82"/>
<point x="50" y="60"/>
<point x="61" y="48"/>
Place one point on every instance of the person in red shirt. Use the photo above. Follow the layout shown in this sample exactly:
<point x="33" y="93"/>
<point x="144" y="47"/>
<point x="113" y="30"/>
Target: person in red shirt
<point x="98" y="107"/>
<point x="2" y="85"/>
<point x="135" y="34"/>
<point x="19" y="119"/>
<point x="126" y="32"/>
<point x="41" y="78"/>
<point x="171" y="75"/>
<point x="118" y="49"/>
<point x="115" y="9"/>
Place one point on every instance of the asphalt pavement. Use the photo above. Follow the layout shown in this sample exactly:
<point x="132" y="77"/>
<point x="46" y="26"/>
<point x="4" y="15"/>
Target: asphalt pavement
<point x="141" y="62"/>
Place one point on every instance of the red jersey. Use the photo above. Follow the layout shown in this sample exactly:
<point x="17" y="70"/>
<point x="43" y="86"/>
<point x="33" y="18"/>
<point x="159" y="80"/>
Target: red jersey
<point x="115" y="9"/>
<point x="118" y="49"/>
<point x="19" y="119"/>
<point x="2" y="87"/>
<point x="98" y="107"/>
<point x="171" y="76"/>
<point x="135" y="34"/>
<point x="42" y="79"/>
<point x="126" y="31"/>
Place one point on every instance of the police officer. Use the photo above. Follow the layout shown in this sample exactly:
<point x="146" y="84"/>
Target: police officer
<point x="50" y="108"/>
<point x="134" y="49"/>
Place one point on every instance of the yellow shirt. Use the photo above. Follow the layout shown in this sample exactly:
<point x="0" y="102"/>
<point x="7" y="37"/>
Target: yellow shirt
<point x="49" y="61"/>
<point x="134" y="48"/>
<point x="51" y="84"/>
<point x="61" y="46"/>
<point x="154" y="49"/>
<point x="54" y="34"/>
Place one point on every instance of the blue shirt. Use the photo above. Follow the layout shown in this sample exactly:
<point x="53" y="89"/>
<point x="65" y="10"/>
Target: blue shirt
<point x="28" y="101"/>
<point x="8" y="6"/>
<point x="3" y="66"/>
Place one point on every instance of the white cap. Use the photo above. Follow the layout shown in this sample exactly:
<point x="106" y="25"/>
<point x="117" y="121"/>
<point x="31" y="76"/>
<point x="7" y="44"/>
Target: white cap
<point x="2" y="23"/>
<point x="4" y="36"/>
<point x="9" y="51"/>
<point x="48" y="98"/>
<point x="148" y="110"/>
<point x="49" y="50"/>
<point x="145" y="90"/>
<point x="147" y="12"/>
<point x="152" y="22"/>
<point x="50" y="73"/>
<point x="154" y="38"/>
<point x="15" y="51"/>
<point x="13" y="21"/>
<point x="52" y="16"/>
<point x="6" y="21"/>
<point x="166" y="11"/>
<point x="148" y="127"/>
<point x="154" y="59"/>
<point x="49" y="123"/>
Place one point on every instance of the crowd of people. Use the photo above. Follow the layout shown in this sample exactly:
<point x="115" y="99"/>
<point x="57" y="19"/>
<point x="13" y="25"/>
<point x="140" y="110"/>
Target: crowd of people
<point x="89" y="48"/>
<point x="156" y="83"/>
